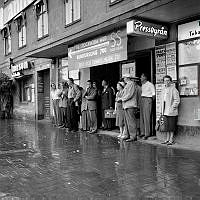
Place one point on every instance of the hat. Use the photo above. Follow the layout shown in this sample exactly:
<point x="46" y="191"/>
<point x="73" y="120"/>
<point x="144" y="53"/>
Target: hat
<point x="126" y="76"/>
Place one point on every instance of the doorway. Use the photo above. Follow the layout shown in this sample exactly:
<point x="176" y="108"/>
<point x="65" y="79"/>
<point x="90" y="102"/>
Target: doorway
<point x="110" y="72"/>
<point x="144" y="64"/>
<point x="43" y="94"/>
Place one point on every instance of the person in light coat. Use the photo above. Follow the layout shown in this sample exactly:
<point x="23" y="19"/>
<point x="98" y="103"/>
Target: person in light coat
<point x="129" y="102"/>
<point x="170" y="100"/>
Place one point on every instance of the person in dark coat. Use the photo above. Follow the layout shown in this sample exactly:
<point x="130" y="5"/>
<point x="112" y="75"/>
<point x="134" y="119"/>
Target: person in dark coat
<point x="107" y="102"/>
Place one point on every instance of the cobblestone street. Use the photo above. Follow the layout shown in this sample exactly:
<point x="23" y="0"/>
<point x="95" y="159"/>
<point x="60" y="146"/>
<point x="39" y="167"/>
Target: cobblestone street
<point x="38" y="161"/>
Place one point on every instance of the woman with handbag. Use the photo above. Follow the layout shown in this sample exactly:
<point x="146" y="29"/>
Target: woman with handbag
<point x="169" y="109"/>
<point x="119" y="108"/>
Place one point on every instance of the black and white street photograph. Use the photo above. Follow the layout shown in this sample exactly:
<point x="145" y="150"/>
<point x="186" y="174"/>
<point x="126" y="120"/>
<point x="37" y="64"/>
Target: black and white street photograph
<point x="99" y="99"/>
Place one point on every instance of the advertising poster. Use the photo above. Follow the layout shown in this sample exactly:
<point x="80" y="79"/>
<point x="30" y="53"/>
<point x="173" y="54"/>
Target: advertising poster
<point x="188" y="80"/>
<point x="129" y="68"/>
<point x="171" y="60"/>
<point x="160" y="54"/>
<point x="159" y="88"/>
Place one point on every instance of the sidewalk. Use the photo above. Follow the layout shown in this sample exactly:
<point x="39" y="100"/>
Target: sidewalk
<point x="154" y="141"/>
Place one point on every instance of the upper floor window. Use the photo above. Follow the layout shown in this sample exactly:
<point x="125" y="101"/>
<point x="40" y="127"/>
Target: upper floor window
<point x="6" y="32"/>
<point x="114" y="1"/>
<point x="21" y="28"/>
<point x="42" y="18"/>
<point x="73" y="11"/>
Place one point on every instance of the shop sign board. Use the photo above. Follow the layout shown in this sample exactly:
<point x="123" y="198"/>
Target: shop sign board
<point x="15" y="69"/>
<point x="189" y="30"/>
<point x="13" y="8"/>
<point x="109" y="48"/>
<point x="140" y="27"/>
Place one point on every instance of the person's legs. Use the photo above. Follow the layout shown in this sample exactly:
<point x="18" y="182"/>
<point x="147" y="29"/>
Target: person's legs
<point x="93" y="120"/>
<point x="131" y="122"/>
<point x="147" y="116"/>
<point x="142" y="131"/>
<point x="103" y="119"/>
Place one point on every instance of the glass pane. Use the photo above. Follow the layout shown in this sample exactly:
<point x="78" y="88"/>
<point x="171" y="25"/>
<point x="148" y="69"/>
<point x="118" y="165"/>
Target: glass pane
<point x="40" y="26"/>
<point x="68" y="5"/>
<point x="9" y="44"/>
<point x="24" y="35"/>
<point x="45" y="27"/>
<point x="20" y="38"/>
<point x="77" y="12"/>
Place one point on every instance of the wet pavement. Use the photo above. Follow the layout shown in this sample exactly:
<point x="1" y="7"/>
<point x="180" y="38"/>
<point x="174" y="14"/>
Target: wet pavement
<point x="40" y="162"/>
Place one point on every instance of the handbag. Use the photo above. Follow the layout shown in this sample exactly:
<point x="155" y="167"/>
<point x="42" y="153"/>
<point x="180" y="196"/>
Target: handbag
<point x="109" y="113"/>
<point x="162" y="122"/>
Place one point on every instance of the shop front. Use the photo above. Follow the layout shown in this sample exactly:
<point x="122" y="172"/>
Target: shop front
<point x="22" y="74"/>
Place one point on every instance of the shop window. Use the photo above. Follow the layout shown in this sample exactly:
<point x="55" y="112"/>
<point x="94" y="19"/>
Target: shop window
<point x="6" y="32"/>
<point x="21" y="28"/>
<point x="26" y="91"/>
<point x="73" y="11"/>
<point x="41" y="9"/>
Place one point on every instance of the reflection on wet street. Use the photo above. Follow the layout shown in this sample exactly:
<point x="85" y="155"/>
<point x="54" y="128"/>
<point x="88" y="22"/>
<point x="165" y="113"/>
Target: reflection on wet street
<point x="82" y="166"/>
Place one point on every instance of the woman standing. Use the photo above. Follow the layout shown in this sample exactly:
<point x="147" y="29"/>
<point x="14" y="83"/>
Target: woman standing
<point x="55" y="96"/>
<point x="169" y="107"/>
<point x="119" y="108"/>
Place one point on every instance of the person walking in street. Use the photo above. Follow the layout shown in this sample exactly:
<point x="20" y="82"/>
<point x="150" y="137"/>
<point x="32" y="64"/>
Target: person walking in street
<point x="170" y="100"/>
<point x="130" y="108"/>
<point x="119" y="108"/>
<point x="91" y="106"/>
<point x="148" y="95"/>
<point x="74" y="94"/>
<point x="63" y="105"/>
<point x="107" y="102"/>
<point x="55" y="96"/>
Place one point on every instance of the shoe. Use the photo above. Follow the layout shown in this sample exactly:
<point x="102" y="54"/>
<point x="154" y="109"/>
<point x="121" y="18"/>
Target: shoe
<point x="124" y="137"/>
<point x="93" y="132"/>
<point x="165" y="142"/>
<point x="141" y="136"/>
<point x="131" y="139"/>
<point x="170" y="143"/>
<point x="119" y="136"/>
<point x="145" y="137"/>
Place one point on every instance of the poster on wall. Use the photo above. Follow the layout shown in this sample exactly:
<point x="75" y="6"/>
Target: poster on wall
<point x="159" y="88"/>
<point x="160" y="54"/>
<point x="171" y="60"/>
<point x="129" y="68"/>
<point x="188" y="80"/>
<point x="63" y="74"/>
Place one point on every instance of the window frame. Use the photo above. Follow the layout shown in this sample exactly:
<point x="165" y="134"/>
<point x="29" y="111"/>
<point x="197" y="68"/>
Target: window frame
<point x="72" y="13"/>
<point x="7" y="39"/>
<point x="43" y="13"/>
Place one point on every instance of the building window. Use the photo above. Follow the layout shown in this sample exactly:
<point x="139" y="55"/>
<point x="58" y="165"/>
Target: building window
<point x="21" y="28"/>
<point x="114" y="1"/>
<point x="42" y="18"/>
<point x="6" y="32"/>
<point x="73" y="11"/>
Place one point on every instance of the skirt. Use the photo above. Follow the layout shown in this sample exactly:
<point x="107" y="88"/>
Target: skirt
<point x="171" y="123"/>
<point x="120" y="118"/>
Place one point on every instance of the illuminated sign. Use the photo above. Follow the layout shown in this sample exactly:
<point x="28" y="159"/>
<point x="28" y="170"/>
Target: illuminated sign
<point x="19" y="67"/>
<point x="139" y="27"/>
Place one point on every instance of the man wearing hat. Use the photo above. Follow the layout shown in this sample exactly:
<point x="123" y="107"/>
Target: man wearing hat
<point x="130" y="107"/>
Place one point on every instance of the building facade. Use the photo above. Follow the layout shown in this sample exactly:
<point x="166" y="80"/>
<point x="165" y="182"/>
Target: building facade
<point x="48" y="41"/>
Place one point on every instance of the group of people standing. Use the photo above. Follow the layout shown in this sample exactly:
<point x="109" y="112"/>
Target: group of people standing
<point x="75" y="107"/>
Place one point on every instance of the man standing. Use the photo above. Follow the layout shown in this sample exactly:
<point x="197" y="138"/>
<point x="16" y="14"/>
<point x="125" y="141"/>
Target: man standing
<point x="74" y="94"/>
<point x="148" y="94"/>
<point x="107" y="102"/>
<point x="91" y="106"/>
<point x="130" y="107"/>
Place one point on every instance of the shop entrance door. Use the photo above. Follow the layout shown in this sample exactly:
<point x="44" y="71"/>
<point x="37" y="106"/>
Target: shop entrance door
<point x="144" y="64"/>
<point x="44" y="94"/>
<point x="110" y="72"/>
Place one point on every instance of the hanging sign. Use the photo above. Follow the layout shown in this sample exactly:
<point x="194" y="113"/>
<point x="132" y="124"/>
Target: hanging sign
<point x="108" y="48"/>
<point x="139" y="27"/>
